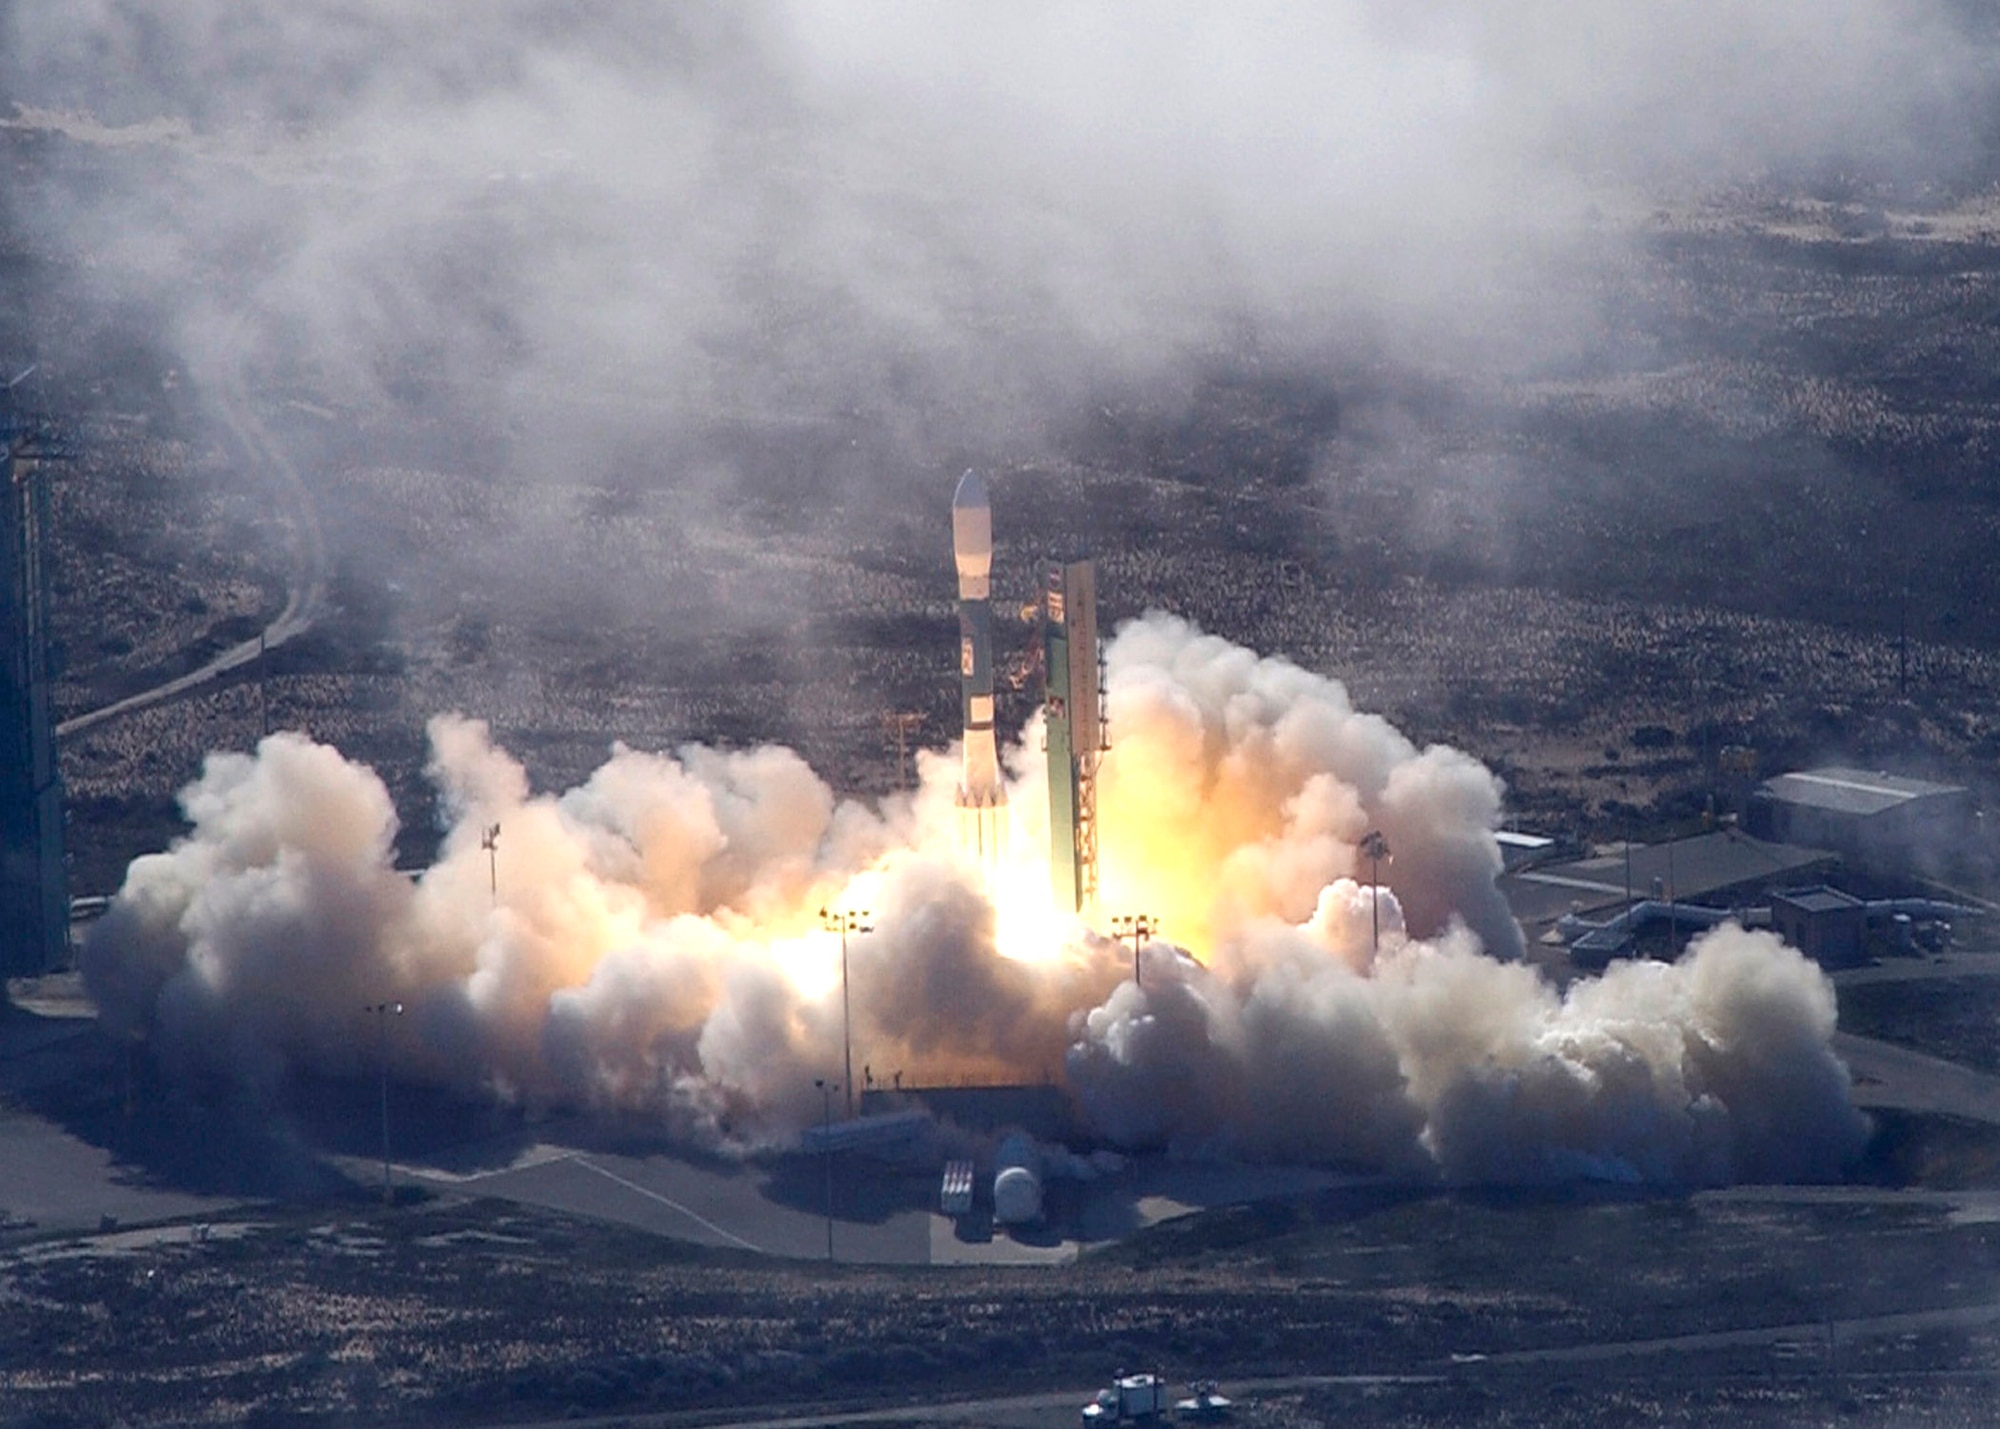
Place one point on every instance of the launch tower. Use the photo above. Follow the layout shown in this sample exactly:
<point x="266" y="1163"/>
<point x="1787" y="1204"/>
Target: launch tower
<point x="1076" y="729"/>
<point x="34" y="894"/>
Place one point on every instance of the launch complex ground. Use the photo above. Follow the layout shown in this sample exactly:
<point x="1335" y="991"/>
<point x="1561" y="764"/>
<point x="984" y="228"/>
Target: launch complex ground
<point x="189" y="1265"/>
<point x="236" y="1259"/>
<point x="175" y="1256"/>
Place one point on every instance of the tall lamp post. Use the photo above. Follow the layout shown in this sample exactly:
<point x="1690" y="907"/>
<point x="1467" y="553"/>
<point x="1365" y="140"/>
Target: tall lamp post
<point x="383" y="1012"/>
<point x="843" y="923"/>
<point x="1376" y="848"/>
<point x="1138" y="927"/>
<point x="826" y="1090"/>
<point x="489" y="839"/>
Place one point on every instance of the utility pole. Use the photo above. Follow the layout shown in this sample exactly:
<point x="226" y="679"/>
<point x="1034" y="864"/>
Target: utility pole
<point x="383" y="1012"/>
<point x="844" y="923"/>
<point x="1903" y="642"/>
<point x="1628" y="870"/>
<point x="1673" y="914"/>
<point x="1376" y="848"/>
<point x="1138" y="927"/>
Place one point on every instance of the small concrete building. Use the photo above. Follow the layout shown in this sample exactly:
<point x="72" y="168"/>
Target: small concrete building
<point x="1519" y="850"/>
<point x="1828" y="926"/>
<point x="1874" y="820"/>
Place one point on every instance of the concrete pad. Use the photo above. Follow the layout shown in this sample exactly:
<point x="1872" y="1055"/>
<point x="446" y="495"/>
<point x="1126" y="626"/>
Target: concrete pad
<point x="949" y="1247"/>
<point x="1886" y="1075"/>
<point x="725" y="1205"/>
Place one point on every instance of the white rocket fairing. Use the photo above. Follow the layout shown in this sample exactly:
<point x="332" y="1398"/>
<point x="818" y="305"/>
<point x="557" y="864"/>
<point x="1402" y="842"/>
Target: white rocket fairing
<point x="972" y="550"/>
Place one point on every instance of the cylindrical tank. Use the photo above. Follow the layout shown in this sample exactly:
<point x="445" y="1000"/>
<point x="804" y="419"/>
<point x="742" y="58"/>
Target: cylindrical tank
<point x="1017" y="1196"/>
<point x="1017" y="1181"/>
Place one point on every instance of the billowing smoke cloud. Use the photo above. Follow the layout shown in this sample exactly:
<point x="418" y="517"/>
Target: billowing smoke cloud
<point x="1434" y="1055"/>
<point x="652" y="940"/>
<point x="1283" y="780"/>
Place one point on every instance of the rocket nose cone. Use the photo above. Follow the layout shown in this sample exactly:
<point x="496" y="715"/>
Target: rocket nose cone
<point x="971" y="493"/>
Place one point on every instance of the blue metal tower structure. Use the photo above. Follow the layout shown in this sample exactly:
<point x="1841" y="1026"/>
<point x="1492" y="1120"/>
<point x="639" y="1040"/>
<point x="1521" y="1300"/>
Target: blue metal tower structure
<point x="1073" y="699"/>
<point x="34" y="885"/>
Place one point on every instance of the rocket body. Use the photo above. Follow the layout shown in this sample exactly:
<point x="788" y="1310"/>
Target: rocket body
<point x="972" y="552"/>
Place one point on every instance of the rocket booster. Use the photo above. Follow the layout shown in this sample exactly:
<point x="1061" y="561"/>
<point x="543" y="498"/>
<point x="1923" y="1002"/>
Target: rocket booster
<point x="972" y="550"/>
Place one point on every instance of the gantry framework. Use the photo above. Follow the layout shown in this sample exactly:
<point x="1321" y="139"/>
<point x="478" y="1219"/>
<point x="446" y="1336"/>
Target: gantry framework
<point x="1076" y="726"/>
<point x="34" y="886"/>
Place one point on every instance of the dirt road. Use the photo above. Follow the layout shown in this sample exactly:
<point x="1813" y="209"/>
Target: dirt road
<point x="306" y="566"/>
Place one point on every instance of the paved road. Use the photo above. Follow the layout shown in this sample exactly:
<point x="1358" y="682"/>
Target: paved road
<point x="1049" y="1408"/>
<point x="776" y="1210"/>
<point x="306" y="575"/>
<point x="1886" y="1075"/>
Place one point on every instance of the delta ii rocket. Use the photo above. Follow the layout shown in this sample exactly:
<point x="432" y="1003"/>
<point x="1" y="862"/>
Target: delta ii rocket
<point x="979" y="791"/>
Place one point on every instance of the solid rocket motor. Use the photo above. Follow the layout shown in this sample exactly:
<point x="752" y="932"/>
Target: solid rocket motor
<point x="972" y="549"/>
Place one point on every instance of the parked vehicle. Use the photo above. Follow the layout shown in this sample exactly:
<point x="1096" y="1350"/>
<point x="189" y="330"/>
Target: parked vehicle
<point x="1128" y="1397"/>
<point x="1205" y="1401"/>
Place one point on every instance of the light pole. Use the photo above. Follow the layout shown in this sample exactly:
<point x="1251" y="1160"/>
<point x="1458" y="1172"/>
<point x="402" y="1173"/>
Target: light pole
<point x="489" y="839"/>
<point x="826" y="1153"/>
<point x="1138" y="927"/>
<point x="1377" y="849"/>
<point x="383" y="1012"/>
<point x="1628" y="872"/>
<point x="844" y="923"/>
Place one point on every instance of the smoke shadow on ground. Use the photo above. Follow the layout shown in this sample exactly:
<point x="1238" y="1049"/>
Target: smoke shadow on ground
<point x="1932" y="1150"/>
<point x="442" y="1129"/>
<point x="343" y="1117"/>
<point x="218" y="1142"/>
<point x="637" y="1137"/>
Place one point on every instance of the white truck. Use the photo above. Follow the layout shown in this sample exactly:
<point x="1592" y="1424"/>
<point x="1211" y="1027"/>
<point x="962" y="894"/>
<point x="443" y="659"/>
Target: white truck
<point x="1128" y="1397"/>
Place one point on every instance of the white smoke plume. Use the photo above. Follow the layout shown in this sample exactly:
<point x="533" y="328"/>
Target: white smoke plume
<point x="652" y="941"/>
<point x="806" y="206"/>
<point x="1714" y="1069"/>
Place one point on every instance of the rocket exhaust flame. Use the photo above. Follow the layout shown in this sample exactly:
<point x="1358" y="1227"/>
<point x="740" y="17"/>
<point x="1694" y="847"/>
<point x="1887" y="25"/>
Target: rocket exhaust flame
<point x="656" y="945"/>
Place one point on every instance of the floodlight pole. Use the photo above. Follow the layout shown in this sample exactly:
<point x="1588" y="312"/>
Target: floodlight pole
<point x="1376" y="848"/>
<point x="383" y="1012"/>
<point x="843" y="923"/>
<point x="489" y="839"/>
<point x="1138" y="927"/>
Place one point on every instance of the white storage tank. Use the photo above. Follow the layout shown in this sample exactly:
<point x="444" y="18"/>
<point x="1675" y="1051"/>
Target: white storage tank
<point x="1017" y="1181"/>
